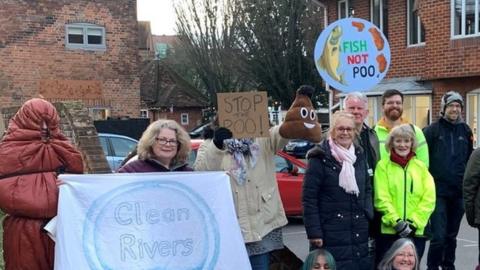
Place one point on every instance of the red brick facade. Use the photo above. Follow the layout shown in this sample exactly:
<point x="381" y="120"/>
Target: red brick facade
<point x="34" y="59"/>
<point x="450" y="64"/>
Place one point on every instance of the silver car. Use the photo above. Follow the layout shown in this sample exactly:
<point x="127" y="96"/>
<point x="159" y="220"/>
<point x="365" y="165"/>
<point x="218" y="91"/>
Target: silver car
<point x="116" y="148"/>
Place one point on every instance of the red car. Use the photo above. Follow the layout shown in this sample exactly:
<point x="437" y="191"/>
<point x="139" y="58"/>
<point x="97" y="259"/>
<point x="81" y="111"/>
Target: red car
<point x="289" y="172"/>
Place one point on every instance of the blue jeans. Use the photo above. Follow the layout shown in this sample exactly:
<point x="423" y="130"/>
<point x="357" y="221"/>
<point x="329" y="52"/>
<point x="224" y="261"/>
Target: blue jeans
<point x="260" y="261"/>
<point x="445" y="222"/>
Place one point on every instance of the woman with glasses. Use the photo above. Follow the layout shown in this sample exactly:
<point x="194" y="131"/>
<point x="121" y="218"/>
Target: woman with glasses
<point x="337" y="196"/>
<point x="163" y="147"/>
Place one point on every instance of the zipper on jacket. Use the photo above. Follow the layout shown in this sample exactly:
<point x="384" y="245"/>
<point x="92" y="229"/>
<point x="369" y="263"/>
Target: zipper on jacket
<point x="452" y="147"/>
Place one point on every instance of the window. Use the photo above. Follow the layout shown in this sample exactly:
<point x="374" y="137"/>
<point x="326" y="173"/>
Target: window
<point x="343" y="9"/>
<point x="99" y="113"/>
<point x="416" y="110"/>
<point x="85" y="36"/>
<point x="415" y="30"/>
<point x="143" y="113"/>
<point x="379" y="14"/>
<point x="184" y="119"/>
<point x="161" y="50"/>
<point x="464" y="18"/>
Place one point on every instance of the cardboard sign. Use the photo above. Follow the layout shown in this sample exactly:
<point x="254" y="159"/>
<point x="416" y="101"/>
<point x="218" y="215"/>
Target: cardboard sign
<point x="244" y="113"/>
<point x="148" y="221"/>
<point x="352" y="55"/>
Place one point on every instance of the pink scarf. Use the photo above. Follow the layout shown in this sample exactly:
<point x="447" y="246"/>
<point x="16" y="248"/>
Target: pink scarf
<point x="346" y="157"/>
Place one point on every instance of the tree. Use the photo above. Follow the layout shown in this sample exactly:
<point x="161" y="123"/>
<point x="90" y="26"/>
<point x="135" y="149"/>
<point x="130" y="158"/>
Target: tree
<point x="276" y="37"/>
<point x="236" y="45"/>
<point x="207" y="33"/>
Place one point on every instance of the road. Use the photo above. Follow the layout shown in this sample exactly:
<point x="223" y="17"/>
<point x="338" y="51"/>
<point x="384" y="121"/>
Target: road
<point x="467" y="244"/>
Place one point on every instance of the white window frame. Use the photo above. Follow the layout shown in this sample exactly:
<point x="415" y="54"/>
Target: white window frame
<point x="380" y="15"/>
<point x="346" y="9"/>
<point x="184" y="119"/>
<point x="144" y="114"/>
<point x="469" y="121"/>
<point x="85" y="46"/>
<point x="463" y="20"/>
<point x="419" y="28"/>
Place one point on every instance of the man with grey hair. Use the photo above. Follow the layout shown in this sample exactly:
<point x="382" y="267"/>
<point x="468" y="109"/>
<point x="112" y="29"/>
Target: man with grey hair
<point x="450" y="143"/>
<point x="357" y="104"/>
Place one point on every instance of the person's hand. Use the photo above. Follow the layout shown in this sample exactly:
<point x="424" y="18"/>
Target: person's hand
<point x="402" y="228"/>
<point x="59" y="182"/>
<point x="317" y="242"/>
<point x="220" y="135"/>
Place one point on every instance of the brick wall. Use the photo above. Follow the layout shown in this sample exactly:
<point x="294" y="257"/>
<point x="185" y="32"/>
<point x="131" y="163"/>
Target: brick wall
<point x="440" y="57"/>
<point x="32" y="52"/>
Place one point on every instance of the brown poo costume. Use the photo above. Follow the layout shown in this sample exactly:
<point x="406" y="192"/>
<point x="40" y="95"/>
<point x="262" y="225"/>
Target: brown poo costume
<point x="28" y="190"/>
<point x="301" y="119"/>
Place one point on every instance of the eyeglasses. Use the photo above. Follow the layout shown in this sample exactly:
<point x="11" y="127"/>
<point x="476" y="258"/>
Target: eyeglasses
<point x="164" y="141"/>
<point x="344" y="129"/>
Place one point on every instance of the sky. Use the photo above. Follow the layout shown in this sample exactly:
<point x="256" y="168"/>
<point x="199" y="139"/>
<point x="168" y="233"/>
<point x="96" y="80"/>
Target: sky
<point x="160" y="13"/>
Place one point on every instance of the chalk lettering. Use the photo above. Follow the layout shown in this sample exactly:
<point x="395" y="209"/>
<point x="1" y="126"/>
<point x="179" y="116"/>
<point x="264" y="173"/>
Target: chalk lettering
<point x="127" y="213"/>
<point x="132" y="249"/>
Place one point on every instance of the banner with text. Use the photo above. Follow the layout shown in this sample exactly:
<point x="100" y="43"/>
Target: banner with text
<point x="352" y="55"/>
<point x="148" y="221"/>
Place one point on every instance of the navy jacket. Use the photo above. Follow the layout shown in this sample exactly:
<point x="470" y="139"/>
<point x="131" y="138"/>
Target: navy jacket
<point x="339" y="218"/>
<point x="449" y="146"/>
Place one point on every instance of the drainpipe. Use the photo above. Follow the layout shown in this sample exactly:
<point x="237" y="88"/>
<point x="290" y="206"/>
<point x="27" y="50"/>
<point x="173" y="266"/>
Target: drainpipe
<point x="327" y="86"/>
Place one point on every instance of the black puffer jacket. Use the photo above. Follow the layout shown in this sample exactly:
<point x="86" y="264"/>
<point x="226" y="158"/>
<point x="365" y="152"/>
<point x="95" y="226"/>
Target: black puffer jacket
<point x="339" y="218"/>
<point x="449" y="146"/>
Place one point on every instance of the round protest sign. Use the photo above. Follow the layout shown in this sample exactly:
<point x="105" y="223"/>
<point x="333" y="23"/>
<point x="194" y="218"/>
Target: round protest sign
<point x="352" y="55"/>
<point x="151" y="225"/>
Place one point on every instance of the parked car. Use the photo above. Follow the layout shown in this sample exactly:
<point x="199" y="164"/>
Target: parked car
<point x="289" y="173"/>
<point x="298" y="147"/>
<point x="197" y="132"/>
<point x="116" y="148"/>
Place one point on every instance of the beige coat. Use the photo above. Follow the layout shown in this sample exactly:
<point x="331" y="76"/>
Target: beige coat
<point x="257" y="202"/>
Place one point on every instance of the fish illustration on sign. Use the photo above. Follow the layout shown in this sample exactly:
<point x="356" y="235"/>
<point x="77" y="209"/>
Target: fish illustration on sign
<point x="330" y="58"/>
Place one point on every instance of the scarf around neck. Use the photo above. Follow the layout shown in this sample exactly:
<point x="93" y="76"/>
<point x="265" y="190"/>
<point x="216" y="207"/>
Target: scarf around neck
<point x="240" y="149"/>
<point x="347" y="158"/>
<point x="402" y="161"/>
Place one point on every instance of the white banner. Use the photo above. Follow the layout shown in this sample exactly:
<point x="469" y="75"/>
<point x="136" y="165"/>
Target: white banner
<point x="148" y="221"/>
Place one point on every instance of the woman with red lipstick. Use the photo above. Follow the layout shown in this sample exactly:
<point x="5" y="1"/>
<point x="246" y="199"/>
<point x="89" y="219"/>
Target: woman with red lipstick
<point x="404" y="192"/>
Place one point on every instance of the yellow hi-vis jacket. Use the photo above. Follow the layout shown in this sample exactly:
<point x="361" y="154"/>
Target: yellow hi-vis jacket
<point x="403" y="193"/>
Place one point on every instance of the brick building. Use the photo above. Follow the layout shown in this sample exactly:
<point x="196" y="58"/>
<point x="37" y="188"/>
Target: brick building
<point x="164" y="93"/>
<point x="71" y="50"/>
<point x="429" y="56"/>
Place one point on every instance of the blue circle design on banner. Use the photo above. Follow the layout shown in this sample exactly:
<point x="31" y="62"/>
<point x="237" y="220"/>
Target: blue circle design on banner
<point x="352" y="55"/>
<point x="159" y="225"/>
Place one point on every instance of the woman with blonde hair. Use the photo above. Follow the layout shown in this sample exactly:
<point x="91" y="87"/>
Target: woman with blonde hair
<point x="402" y="255"/>
<point x="337" y="196"/>
<point x="404" y="192"/>
<point x="163" y="147"/>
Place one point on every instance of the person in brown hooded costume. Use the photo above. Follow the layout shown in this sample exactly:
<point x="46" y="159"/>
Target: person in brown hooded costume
<point x="32" y="152"/>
